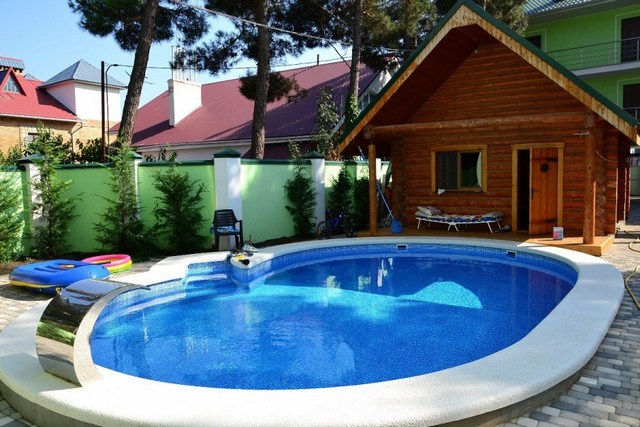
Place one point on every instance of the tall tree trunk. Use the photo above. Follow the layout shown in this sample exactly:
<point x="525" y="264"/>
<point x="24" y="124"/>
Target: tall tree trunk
<point x="262" y="83"/>
<point x="354" y="75"/>
<point x="132" y="101"/>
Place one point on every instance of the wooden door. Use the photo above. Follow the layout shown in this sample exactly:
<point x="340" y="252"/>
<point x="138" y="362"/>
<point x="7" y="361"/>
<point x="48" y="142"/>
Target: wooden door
<point x="543" y="213"/>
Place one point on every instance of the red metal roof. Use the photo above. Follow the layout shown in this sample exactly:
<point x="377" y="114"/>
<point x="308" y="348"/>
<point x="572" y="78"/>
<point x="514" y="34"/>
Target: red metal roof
<point x="226" y="115"/>
<point x="32" y="102"/>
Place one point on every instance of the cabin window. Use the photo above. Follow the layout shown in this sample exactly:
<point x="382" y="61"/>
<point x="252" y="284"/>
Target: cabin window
<point x="459" y="169"/>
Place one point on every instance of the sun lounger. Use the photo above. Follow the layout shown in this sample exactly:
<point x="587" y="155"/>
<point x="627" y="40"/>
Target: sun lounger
<point x="431" y="214"/>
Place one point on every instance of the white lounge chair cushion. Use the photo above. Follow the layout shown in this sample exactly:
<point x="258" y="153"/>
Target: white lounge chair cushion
<point x="429" y="210"/>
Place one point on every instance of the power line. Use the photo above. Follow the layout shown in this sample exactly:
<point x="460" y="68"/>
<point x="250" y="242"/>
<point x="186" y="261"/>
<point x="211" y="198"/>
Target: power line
<point x="247" y="21"/>
<point x="282" y="30"/>
<point x="246" y="67"/>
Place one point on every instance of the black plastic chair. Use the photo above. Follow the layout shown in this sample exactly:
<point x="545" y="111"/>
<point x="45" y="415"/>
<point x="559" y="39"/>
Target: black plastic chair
<point x="224" y="224"/>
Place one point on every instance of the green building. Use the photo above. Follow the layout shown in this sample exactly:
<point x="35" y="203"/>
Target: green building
<point x="599" y="40"/>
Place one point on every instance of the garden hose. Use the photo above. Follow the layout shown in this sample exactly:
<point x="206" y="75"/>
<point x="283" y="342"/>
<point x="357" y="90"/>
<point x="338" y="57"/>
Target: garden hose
<point x="626" y="281"/>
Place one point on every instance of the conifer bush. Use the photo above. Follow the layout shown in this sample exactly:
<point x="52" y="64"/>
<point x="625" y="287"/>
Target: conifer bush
<point x="120" y="228"/>
<point x="302" y="201"/>
<point x="53" y="209"/>
<point x="178" y="212"/>
<point x="11" y="221"/>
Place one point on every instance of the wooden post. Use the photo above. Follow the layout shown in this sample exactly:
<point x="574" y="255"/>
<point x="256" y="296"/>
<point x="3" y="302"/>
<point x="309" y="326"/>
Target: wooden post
<point x="589" y="224"/>
<point x="373" y="206"/>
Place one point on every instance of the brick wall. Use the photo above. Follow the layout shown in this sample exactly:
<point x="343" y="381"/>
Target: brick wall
<point x="15" y="130"/>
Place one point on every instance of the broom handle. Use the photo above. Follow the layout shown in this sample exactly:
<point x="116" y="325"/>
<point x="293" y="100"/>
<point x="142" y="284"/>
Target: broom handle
<point x="378" y="186"/>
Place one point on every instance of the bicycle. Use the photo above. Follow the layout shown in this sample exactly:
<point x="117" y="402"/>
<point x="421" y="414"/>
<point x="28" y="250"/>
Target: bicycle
<point x="332" y="225"/>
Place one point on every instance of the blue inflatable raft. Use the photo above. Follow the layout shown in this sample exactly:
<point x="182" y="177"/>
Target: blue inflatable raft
<point x="50" y="277"/>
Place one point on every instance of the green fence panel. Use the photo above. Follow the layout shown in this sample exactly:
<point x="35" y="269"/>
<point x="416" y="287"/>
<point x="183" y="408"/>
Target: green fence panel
<point x="264" y="214"/>
<point x="90" y="186"/>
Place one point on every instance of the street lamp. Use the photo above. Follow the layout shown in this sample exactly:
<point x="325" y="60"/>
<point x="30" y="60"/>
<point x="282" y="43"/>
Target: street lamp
<point x="104" y="82"/>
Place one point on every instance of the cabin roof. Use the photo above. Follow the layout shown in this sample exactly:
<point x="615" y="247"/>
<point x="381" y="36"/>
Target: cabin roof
<point x="458" y="35"/>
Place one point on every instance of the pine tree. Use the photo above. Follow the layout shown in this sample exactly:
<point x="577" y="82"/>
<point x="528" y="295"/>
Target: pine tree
<point x="135" y="25"/>
<point x="251" y="38"/>
<point x="511" y="12"/>
<point x="326" y="119"/>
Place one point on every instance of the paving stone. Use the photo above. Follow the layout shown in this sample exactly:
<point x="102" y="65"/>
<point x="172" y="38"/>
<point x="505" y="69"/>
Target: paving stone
<point x="571" y="415"/>
<point x="564" y="422"/>
<point x="603" y="393"/>
<point x="633" y="413"/>
<point x="634" y="422"/>
<point x="609" y="382"/>
<point x="580" y="388"/>
<point x="539" y="416"/>
<point x="554" y="412"/>
<point x="609" y="423"/>
<point x="594" y="413"/>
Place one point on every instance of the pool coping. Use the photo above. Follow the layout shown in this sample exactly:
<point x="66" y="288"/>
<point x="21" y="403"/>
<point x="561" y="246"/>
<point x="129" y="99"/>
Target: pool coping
<point x="555" y="351"/>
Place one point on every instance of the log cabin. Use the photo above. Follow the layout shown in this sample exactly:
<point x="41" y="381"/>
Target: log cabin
<point x="479" y="120"/>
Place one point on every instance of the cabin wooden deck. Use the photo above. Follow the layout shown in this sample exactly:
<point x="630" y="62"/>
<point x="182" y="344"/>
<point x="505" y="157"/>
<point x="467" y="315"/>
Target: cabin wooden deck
<point x="600" y="245"/>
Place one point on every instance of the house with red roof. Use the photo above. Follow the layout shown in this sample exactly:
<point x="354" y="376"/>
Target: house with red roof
<point x="196" y="120"/>
<point x="69" y="103"/>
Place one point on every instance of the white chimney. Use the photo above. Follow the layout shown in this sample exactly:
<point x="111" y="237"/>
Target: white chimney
<point x="185" y="93"/>
<point x="184" y="97"/>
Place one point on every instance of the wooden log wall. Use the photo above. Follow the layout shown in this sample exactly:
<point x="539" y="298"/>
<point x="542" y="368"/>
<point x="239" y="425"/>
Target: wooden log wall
<point x="495" y="83"/>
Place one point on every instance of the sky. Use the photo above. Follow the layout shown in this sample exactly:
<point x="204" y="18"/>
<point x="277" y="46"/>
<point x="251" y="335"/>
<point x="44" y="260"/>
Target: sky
<point x="46" y="36"/>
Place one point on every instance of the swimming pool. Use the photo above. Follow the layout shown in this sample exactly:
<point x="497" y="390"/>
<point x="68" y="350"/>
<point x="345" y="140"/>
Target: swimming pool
<point x="337" y="316"/>
<point x="506" y="383"/>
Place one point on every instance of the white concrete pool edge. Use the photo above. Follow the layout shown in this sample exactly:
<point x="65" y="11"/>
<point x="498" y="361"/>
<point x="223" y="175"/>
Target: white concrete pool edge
<point x="555" y="350"/>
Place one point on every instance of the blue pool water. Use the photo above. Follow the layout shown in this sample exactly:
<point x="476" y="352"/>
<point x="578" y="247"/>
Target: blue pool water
<point x="330" y="319"/>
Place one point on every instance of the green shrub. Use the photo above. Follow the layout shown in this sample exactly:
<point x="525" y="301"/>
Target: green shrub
<point x="11" y="220"/>
<point x="55" y="211"/>
<point x="179" y="211"/>
<point x="341" y="195"/>
<point x="12" y="156"/>
<point x="120" y="228"/>
<point x="302" y="199"/>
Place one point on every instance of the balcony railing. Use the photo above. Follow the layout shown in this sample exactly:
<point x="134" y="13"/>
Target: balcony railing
<point x="599" y="55"/>
<point x="634" y="111"/>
